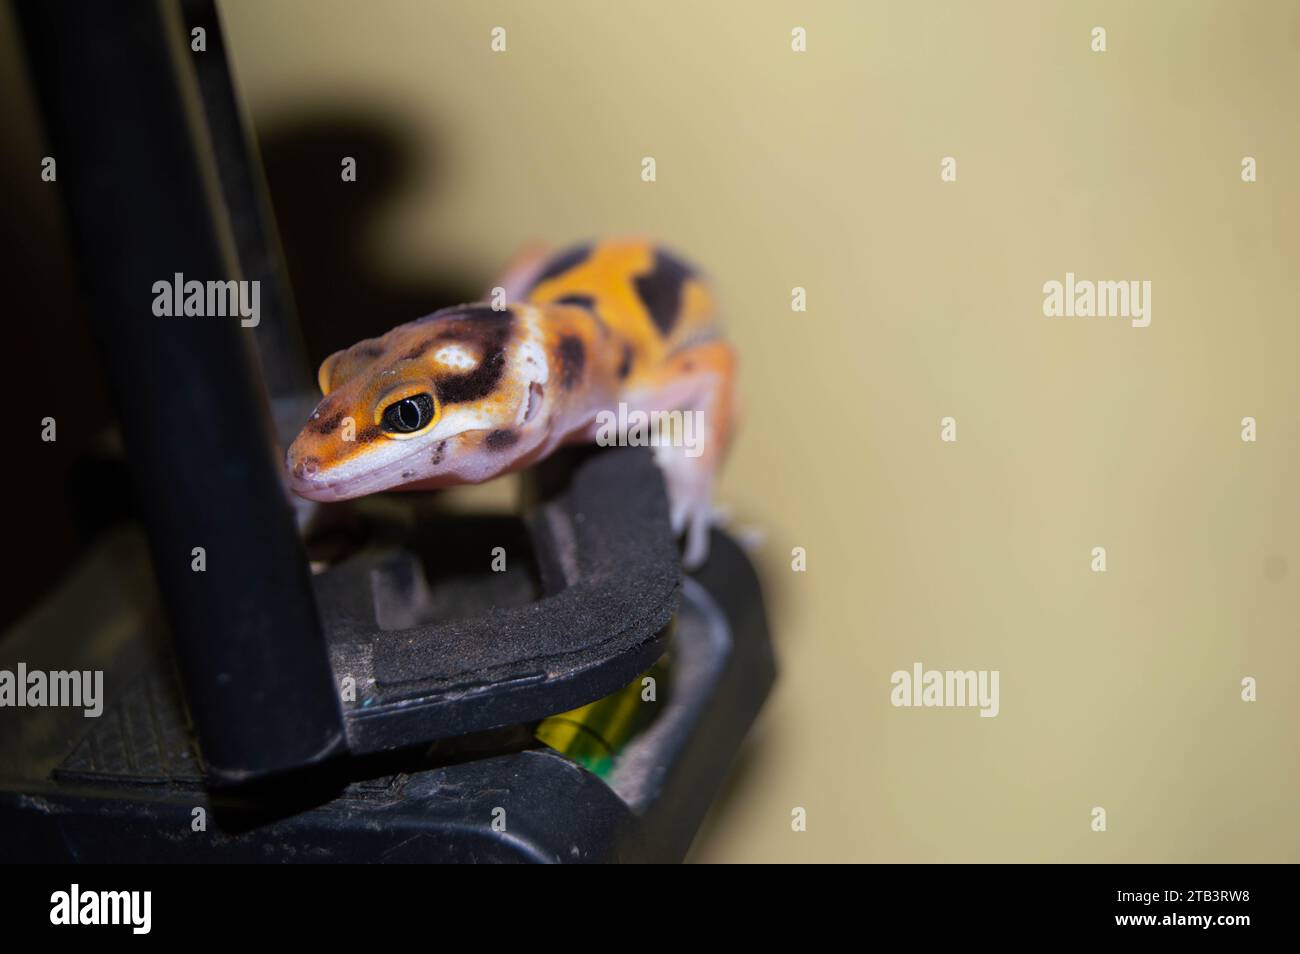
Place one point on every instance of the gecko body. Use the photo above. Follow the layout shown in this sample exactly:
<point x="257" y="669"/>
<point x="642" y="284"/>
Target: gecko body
<point x="472" y="392"/>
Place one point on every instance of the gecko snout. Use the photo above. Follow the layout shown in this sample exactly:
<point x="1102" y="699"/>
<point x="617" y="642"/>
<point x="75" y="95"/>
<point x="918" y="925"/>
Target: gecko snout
<point x="305" y="477"/>
<point x="306" y="468"/>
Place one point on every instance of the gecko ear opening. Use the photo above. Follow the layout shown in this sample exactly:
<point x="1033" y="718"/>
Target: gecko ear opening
<point x="535" y="394"/>
<point x="324" y="377"/>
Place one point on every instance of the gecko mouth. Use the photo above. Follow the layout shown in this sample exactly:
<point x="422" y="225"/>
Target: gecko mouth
<point x="307" y="478"/>
<point x="319" y="491"/>
<point x="306" y="483"/>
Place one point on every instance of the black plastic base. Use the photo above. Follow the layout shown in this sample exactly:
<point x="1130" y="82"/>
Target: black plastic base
<point x="131" y="788"/>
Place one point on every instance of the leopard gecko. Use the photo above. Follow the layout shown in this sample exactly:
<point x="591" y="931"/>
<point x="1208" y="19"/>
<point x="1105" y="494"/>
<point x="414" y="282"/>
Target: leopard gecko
<point x="573" y="342"/>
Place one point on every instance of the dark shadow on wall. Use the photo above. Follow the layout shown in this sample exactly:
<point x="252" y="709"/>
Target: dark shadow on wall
<point x="327" y="226"/>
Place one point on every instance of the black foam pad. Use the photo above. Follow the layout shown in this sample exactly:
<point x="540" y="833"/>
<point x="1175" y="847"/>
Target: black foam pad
<point x="602" y="548"/>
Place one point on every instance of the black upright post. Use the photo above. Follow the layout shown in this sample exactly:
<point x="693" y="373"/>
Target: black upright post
<point x="125" y="124"/>
<point x="257" y="246"/>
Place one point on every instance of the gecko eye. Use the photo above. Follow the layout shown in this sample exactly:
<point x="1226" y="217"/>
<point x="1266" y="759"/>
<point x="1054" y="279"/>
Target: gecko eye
<point x="408" y="415"/>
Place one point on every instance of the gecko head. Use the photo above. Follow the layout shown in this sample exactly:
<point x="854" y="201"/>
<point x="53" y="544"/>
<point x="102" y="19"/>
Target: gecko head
<point x="440" y="401"/>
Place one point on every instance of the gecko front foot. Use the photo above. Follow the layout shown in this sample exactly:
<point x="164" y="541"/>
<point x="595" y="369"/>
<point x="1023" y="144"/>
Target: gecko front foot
<point x="690" y="500"/>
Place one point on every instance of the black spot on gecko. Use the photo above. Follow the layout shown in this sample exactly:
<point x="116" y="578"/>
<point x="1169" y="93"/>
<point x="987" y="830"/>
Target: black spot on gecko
<point x="500" y="439"/>
<point x="582" y="301"/>
<point x="418" y="350"/>
<point x="563" y="263"/>
<point x="573" y="360"/>
<point x="459" y="313"/>
<point x="660" y="290"/>
<point x="369" y="351"/>
<point x="329" y="425"/>
<point x="586" y="302"/>
<point x="485" y="332"/>
<point x="625" y="366"/>
<point x="478" y="383"/>
<point x="438" y="451"/>
<point x="369" y="434"/>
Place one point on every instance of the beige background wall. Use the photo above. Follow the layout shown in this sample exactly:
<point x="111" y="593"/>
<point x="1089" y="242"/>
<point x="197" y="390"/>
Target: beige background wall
<point x="821" y="169"/>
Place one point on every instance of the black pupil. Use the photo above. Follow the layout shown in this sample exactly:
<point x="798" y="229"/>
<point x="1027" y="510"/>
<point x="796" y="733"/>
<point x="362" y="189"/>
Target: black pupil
<point x="408" y="414"/>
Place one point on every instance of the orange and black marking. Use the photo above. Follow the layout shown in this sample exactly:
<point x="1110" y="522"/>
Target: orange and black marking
<point x="650" y="300"/>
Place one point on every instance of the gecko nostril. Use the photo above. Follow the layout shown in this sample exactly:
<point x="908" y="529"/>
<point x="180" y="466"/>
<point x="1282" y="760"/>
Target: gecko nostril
<point x="305" y="468"/>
